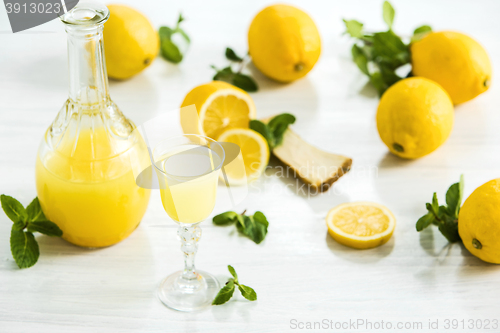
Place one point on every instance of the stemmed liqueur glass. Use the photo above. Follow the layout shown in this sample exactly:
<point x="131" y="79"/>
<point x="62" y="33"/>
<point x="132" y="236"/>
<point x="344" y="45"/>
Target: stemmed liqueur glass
<point x="188" y="168"/>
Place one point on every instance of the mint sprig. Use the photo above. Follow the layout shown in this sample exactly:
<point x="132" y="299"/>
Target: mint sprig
<point x="420" y="32"/>
<point x="236" y="78"/>
<point x="274" y="130"/>
<point x="252" y="226"/>
<point x="379" y="55"/>
<point x="23" y="245"/>
<point x="227" y="291"/>
<point x="445" y="217"/>
<point x="169" y="48"/>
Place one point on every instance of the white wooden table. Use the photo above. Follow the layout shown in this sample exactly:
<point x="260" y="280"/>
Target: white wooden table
<point x="299" y="272"/>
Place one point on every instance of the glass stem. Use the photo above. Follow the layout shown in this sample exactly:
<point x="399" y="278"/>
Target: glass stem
<point x="189" y="235"/>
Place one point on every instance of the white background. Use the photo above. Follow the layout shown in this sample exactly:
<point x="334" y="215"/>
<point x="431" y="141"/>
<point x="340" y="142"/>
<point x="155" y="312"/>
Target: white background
<point x="299" y="272"/>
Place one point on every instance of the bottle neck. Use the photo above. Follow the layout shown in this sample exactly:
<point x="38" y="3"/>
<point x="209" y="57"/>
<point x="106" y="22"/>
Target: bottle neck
<point x="88" y="81"/>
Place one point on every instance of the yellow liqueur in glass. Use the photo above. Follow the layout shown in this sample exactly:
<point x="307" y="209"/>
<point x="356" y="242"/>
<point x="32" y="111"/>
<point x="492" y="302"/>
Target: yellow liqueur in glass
<point x="192" y="198"/>
<point x="188" y="168"/>
<point x="88" y="157"/>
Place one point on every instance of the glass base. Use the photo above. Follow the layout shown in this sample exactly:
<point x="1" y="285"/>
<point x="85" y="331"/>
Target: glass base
<point x="188" y="295"/>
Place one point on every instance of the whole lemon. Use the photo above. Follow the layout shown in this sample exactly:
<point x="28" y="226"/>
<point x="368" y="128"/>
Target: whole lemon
<point x="284" y="42"/>
<point x="130" y="42"/>
<point x="479" y="222"/>
<point x="455" y="61"/>
<point x="414" y="117"/>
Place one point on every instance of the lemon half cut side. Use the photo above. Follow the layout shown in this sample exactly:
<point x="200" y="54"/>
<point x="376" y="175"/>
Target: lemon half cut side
<point x="254" y="155"/>
<point x="220" y="106"/>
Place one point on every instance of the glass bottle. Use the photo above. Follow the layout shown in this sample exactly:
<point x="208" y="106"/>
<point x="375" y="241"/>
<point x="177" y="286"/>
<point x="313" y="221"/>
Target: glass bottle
<point x="89" y="155"/>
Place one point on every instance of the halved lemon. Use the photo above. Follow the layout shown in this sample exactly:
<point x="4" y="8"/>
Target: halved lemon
<point x="252" y="160"/>
<point x="361" y="225"/>
<point x="220" y="106"/>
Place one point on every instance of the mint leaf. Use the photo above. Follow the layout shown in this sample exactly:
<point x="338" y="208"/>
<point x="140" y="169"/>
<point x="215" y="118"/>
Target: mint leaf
<point x="442" y="212"/>
<point x="253" y="226"/>
<point x="45" y="227"/>
<point x="420" y="33"/>
<point x="278" y="125"/>
<point x="239" y="80"/>
<point x="231" y="55"/>
<point x="223" y="74"/>
<point x="23" y="245"/>
<point x="34" y="211"/>
<point x="180" y="19"/>
<point x="388" y="74"/>
<point x="247" y="292"/>
<point x="225" y="293"/>
<point x="435" y="204"/>
<point x="184" y="35"/>
<point x="225" y="218"/>
<point x="264" y="130"/>
<point x="378" y="82"/>
<point x="453" y="200"/>
<point x="13" y="209"/>
<point x="378" y="55"/>
<point x="244" y="82"/>
<point x="449" y="229"/>
<point x="360" y="59"/>
<point x="233" y="273"/>
<point x="273" y="131"/>
<point x="256" y="227"/>
<point x="354" y="28"/>
<point x="424" y="221"/>
<point x="165" y="32"/>
<point x="388" y="48"/>
<point x="422" y="29"/>
<point x="445" y="217"/>
<point x="24" y="248"/>
<point x="388" y="14"/>
<point x="240" y="223"/>
<point x="170" y="51"/>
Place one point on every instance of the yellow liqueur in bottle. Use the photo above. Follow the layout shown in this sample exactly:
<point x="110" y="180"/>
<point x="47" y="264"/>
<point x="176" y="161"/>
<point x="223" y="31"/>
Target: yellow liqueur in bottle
<point x="89" y="155"/>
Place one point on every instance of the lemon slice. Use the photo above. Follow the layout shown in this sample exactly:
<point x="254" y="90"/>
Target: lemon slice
<point x="254" y="155"/>
<point x="220" y="106"/>
<point x="361" y="225"/>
